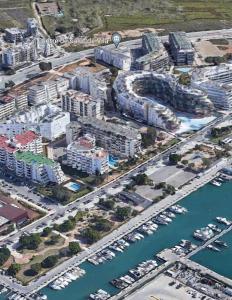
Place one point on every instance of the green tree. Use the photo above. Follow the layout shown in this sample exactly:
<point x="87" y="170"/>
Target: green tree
<point x="149" y="138"/>
<point x="174" y="158"/>
<point x="46" y="231"/>
<point x="74" y="248"/>
<point x="4" y="255"/>
<point x="107" y="204"/>
<point x="13" y="269"/>
<point x="91" y="235"/>
<point x="67" y="225"/>
<point x="141" y="179"/>
<point x="123" y="213"/>
<point x="36" y="268"/>
<point x="103" y="225"/>
<point x="30" y="242"/>
<point x="50" y="261"/>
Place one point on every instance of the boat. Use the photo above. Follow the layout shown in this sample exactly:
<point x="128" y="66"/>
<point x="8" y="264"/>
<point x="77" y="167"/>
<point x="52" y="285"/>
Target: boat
<point x="160" y="221"/>
<point x="216" y="183"/>
<point x="167" y="219"/>
<point x="169" y="214"/>
<point x="221" y="243"/>
<point x="223" y="221"/>
<point x="211" y="247"/>
<point x="214" y="227"/>
<point x="203" y="234"/>
<point x="177" y="209"/>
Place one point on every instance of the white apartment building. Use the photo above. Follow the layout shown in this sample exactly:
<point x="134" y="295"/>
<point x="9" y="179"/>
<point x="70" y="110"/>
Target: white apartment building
<point x="118" y="57"/>
<point x="7" y="106"/>
<point x="85" y="156"/>
<point x="27" y="141"/>
<point x="82" y="104"/>
<point x="38" y="168"/>
<point x="73" y="130"/>
<point x="47" y="91"/>
<point x="216" y="82"/>
<point x="46" y="119"/>
<point x="121" y="141"/>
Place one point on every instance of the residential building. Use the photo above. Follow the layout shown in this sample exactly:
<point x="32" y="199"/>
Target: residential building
<point x="73" y="130"/>
<point x="37" y="168"/>
<point x="82" y="104"/>
<point x="46" y="119"/>
<point x="7" y="106"/>
<point x="145" y="96"/>
<point x="32" y="27"/>
<point x="85" y="156"/>
<point x="121" y="141"/>
<point x="154" y="56"/>
<point x="14" y="35"/>
<point x="181" y="48"/>
<point x="216" y="82"/>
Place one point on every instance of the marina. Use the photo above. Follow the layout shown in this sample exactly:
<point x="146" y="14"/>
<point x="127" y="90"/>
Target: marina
<point x="143" y="247"/>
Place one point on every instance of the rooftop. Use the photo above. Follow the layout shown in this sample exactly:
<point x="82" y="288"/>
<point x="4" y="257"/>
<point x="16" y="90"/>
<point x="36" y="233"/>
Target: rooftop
<point x="30" y="158"/>
<point x="181" y="40"/>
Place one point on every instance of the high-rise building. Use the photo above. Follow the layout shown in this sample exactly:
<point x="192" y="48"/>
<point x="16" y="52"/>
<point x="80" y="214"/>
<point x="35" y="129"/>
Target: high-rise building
<point x="85" y="156"/>
<point x="121" y="141"/>
<point x="181" y="48"/>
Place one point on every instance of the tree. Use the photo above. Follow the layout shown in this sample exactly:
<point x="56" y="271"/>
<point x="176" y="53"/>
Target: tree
<point x="50" y="261"/>
<point x="107" y="204"/>
<point x="174" y="158"/>
<point x="13" y="269"/>
<point x="4" y="255"/>
<point x="184" y="161"/>
<point x="123" y="213"/>
<point x="141" y="179"/>
<point x="36" y="268"/>
<point x="30" y="242"/>
<point x="45" y="66"/>
<point x="91" y="235"/>
<point x="54" y="239"/>
<point x="67" y="225"/>
<point x="149" y="137"/>
<point x="74" y="248"/>
<point x="102" y="225"/>
<point x="206" y="161"/>
<point x="46" y="231"/>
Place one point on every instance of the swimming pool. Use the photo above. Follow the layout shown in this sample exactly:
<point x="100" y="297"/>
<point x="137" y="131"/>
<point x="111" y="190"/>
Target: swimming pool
<point x="73" y="186"/>
<point x="113" y="161"/>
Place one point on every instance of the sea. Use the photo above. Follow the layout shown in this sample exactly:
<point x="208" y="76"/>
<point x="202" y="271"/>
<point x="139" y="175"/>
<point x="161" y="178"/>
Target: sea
<point x="203" y="205"/>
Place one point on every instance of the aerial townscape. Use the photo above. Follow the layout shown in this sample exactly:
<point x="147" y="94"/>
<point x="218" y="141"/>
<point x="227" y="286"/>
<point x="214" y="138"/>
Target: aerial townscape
<point x="115" y="150"/>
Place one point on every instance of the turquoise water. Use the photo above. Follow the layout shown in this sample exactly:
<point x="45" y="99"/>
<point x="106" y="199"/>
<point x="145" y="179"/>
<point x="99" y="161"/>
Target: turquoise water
<point x="112" y="161"/>
<point x="203" y="205"/>
<point x="184" y="69"/>
<point x="75" y="186"/>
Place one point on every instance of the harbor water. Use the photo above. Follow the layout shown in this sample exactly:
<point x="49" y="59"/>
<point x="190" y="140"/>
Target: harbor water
<point x="203" y="206"/>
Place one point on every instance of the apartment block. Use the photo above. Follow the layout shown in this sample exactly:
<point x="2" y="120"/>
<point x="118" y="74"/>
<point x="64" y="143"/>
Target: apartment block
<point x="85" y="156"/>
<point x="121" y="141"/>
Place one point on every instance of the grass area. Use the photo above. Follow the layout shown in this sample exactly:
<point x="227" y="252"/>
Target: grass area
<point x="221" y="42"/>
<point x="14" y="13"/>
<point x="99" y="15"/>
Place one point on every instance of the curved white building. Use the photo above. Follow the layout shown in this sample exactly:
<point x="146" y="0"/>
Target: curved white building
<point x="145" y="96"/>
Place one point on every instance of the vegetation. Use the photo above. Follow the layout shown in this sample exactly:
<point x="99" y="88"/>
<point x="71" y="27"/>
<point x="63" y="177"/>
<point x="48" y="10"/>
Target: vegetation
<point x="50" y="261"/>
<point x="36" y="268"/>
<point x="13" y="269"/>
<point x="30" y="242"/>
<point x="91" y="235"/>
<point x="74" y="248"/>
<point x="149" y="138"/>
<point x="142" y="179"/>
<point x="46" y="231"/>
<point x="185" y="79"/>
<point x="220" y="131"/>
<point x="4" y="255"/>
<point x="107" y="204"/>
<point x="123" y="213"/>
<point x="174" y="158"/>
<point x="101" y="224"/>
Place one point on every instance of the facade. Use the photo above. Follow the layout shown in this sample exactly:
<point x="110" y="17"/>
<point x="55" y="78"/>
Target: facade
<point x="12" y="102"/>
<point x="182" y="51"/>
<point x="154" y="56"/>
<point x="145" y="96"/>
<point x="32" y="27"/>
<point x="73" y="130"/>
<point x="46" y="119"/>
<point x="47" y="91"/>
<point x="37" y="167"/>
<point x="19" y="55"/>
<point x="13" y="35"/>
<point x="85" y="156"/>
<point x="118" y="57"/>
<point x="217" y="83"/>
<point x="82" y="104"/>
<point x="122" y="141"/>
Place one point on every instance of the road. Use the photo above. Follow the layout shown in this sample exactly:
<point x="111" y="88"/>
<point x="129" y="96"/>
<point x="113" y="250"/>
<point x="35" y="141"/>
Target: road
<point x="22" y="75"/>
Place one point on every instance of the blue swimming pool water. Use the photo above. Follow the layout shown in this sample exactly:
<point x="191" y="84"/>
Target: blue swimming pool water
<point x="75" y="186"/>
<point x="113" y="161"/>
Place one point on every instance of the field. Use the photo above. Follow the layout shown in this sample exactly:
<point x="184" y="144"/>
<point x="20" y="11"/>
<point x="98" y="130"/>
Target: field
<point x="14" y="13"/>
<point x="104" y="15"/>
<point x="108" y="15"/>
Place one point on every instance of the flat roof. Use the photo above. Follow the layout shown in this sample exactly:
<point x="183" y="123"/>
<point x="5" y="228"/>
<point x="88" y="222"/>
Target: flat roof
<point x="31" y="158"/>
